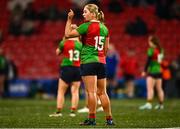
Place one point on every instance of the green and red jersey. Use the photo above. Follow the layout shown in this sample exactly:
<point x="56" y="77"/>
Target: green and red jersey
<point x="93" y="34"/>
<point x="2" y="62"/>
<point x="70" y="49"/>
<point x="156" y="57"/>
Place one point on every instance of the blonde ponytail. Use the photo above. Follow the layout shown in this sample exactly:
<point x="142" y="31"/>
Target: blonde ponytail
<point x="100" y="16"/>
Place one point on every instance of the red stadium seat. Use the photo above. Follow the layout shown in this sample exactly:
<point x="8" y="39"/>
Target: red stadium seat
<point x="35" y="55"/>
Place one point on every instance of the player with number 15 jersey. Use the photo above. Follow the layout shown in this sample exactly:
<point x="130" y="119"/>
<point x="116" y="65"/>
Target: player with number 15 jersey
<point x="95" y="39"/>
<point x="93" y="34"/>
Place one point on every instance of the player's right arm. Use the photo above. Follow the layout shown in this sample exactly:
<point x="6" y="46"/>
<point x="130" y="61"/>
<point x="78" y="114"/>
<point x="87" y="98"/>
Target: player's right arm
<point x="58" y="51"/>
<point x="69" y="32"/>
<point x="149" y="55"/>
<point x="60" y="48"/>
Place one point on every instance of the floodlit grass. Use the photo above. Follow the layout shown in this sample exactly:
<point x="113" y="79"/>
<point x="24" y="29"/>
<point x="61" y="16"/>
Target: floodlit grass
<point x="27" y="113"/>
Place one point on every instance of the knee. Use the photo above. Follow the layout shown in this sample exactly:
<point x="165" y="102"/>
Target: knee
<point x="91" y="93"/>
<point x="74" y="92"/>
<point x="99" y="93"/>
<point x="160" y="90"/>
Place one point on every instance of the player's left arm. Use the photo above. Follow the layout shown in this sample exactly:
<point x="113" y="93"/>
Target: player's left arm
<point x="106" y="46"/>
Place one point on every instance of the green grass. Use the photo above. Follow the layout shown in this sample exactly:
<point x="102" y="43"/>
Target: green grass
<point x="27" y="113"/>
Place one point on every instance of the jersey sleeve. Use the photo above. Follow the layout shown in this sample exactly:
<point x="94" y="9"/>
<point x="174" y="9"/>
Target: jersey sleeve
<point x="82" y="29"/>
<point x="150" y="52"/>
<point x="61" y="45"/>
<point x="107" y="32"/>
<point x="104" y="30"/>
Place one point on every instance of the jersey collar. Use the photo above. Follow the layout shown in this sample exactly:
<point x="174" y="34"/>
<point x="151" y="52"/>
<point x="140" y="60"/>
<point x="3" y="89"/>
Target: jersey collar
<point x="94" y="21"/>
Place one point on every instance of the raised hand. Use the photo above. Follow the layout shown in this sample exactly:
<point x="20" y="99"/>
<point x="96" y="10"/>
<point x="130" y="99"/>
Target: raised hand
<point x="70" y="14"/>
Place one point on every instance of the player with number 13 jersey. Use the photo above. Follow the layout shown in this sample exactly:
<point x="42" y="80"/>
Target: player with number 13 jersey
<point x="70" y="49"/>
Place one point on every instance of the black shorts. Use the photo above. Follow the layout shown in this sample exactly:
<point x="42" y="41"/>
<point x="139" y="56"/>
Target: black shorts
<point x="2" y="72"/>
<point x="94" y="69"/>
<point x="128" y="77"/>
<point x="110" y="76"/>
<point x="70" y="74"/>
<point x="155" y="75"/>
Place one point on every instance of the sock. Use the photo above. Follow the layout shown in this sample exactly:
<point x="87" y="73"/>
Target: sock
<point x="73" y="110"/>
<point x="108" y="117"/>
<point x="92" y="116"/>
<point x="149" y="101"/>
<point x="58" y="110"/>
<point x="161" y="102"/>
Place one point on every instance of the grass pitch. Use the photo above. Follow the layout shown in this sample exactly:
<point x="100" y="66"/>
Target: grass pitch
<point x="29" y="113"/>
